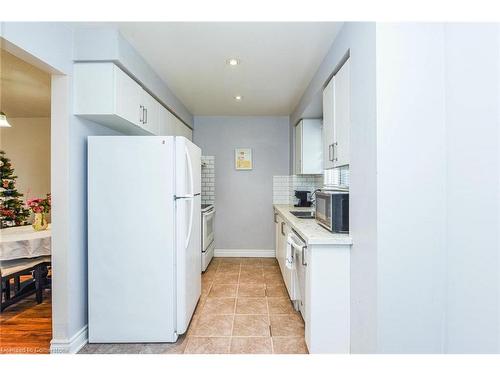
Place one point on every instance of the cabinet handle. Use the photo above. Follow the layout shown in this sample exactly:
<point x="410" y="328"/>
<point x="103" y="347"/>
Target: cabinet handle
<point x="282" y="231"/>
<point x="335" y="144"/>
<point x="141" y="113"/>
<point x="330" y="147"/>
<point x="275" y="218"/>
<point x="146" y="118"/>
<point x="304" y="263"/>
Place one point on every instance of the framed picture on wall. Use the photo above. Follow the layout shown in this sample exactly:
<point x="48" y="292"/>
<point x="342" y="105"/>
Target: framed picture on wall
<point x="243" y="159"/>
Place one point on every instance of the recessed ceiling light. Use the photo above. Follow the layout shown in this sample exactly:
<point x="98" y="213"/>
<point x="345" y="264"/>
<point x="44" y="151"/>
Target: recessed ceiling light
<point x="238" y="98"/>
<point x="233" y="62"/>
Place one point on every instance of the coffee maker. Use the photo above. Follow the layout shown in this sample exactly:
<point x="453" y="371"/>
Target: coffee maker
<point x="304" y="198"/>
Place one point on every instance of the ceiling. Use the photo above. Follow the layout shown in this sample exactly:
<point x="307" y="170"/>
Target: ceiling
<point x="278" y="60"/>
<point x="24" y="89"/>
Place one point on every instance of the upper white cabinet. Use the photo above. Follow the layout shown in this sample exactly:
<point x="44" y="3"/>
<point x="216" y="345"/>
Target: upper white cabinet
<point x="328" y="138"/>
<point x="337" y="119"/>
<point x="106" y="94"/>
<point x="183" y="130"/>
<point x="151" y="111"/>
<point x="104" y="90"/>
<point x="308" y="147"/>
<point x="169" y="124"/>
<point x="166" y="122"/>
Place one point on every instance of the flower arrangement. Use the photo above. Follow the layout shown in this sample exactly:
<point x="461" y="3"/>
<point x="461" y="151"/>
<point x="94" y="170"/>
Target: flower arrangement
<point x="40" y="205"/>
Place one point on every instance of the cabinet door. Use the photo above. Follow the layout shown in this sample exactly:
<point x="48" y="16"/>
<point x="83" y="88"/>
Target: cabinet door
<point x="342" y="116"/>
<point x="128" y="96"/>
<point x="151" y="111"/>
<point x="281" y="250"/>
<point x="298" y="147"/>
<point x="276" y="234"/>
<point x="186" y="131"/>
<point x="311" y="147"/>
<point x="182" y="130"/>
<point x="163" y="121"/>
<point x="328" y="118"/>
<point x="94" y="88"/>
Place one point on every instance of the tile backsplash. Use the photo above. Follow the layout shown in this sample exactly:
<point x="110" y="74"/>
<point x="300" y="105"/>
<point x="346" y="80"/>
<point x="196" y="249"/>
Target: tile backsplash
<point x="208" y="180"/>
<point x="337" y="176"/>
<point x="284" y="187"/>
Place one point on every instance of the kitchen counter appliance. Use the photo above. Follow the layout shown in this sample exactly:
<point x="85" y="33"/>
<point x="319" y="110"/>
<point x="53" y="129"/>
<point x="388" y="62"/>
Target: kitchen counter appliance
<point x="304" y="198"/>
<point x="332" y="210"/>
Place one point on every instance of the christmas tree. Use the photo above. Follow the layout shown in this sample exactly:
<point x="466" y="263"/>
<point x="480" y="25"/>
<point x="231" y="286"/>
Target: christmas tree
<point x="12" y="209"/>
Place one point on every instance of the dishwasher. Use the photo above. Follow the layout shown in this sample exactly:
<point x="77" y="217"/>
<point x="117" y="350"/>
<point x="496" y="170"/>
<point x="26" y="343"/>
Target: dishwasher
<point x="299" y="255"/>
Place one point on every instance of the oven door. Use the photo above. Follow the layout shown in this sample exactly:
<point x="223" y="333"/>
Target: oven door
<point x="208" y="228"/>
<point x="324" y="209"/>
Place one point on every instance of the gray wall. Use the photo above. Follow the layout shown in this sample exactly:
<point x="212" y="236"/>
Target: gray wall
<point x="359" y="40"/>
<point x="244" y="218"/>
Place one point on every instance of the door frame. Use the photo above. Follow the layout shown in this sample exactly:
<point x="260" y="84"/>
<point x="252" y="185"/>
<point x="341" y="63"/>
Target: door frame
<point x="59" y="185"/>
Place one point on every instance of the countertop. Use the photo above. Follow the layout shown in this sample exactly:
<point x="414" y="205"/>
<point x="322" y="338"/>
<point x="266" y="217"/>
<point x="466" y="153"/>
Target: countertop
<point x="309" y="230"/>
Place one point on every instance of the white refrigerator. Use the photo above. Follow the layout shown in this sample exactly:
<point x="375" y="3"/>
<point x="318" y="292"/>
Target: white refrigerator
<point x="144" y="237"/>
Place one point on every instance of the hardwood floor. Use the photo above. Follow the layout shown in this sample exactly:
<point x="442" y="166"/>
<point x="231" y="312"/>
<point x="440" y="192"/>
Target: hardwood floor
<point x="26" y="328"/>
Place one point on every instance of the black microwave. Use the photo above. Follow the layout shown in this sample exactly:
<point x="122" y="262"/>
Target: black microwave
<point x="332" y="210"/>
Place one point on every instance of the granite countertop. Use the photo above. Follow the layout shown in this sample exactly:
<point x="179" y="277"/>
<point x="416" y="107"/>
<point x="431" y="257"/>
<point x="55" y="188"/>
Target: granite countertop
<point x="309" y="230"/>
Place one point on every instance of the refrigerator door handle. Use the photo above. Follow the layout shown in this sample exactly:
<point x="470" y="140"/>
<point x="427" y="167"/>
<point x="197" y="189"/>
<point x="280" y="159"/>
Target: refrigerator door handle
<point x="187" y="196"/>
<point x="188" y="238"/>
<point x="190" y="171"/>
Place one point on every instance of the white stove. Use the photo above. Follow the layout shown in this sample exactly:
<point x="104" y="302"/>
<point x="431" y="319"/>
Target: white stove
<point x="207" y="234"/>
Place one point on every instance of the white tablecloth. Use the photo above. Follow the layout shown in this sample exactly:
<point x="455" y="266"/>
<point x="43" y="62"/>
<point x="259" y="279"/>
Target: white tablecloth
<point x="24" y="242"/>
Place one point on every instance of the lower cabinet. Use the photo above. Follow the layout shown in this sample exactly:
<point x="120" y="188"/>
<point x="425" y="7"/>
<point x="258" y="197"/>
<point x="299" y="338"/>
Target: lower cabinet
<point x="280" y="226"/>
<point x="321" y="283"/>
<point x="327" y="298"/>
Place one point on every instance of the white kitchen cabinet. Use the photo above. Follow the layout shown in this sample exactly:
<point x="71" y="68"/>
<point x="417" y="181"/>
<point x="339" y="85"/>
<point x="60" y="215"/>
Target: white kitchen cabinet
<point x="308" y="147"/>
<point x="321" y="282"/>
<point x="327" y="298"/>
<point x="337" y="119"/>
<point x="125" y="92"/>
<point x="280" y="240"/>
<point x="150" y="118"/>
<point x="328" y="138"/>
<point x="107" y="95"/>
<point x="183" y="130"/>
<point x="276" y="234"/>
<point x="169" y="124"/>
<point x="342" y="115"/>
<point x="166" y="125"/>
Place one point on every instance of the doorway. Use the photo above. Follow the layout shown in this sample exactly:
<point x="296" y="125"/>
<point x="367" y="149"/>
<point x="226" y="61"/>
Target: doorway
<point x="25" y="252"/>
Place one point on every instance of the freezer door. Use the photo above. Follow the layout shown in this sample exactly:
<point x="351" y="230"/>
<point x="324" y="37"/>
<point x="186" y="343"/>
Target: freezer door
<point x="188" y="167"/>
<point x="131" y="239"/>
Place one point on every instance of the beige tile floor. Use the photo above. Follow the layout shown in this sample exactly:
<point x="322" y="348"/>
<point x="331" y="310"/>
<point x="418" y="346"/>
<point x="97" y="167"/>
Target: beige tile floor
<point x="244" y="309"/>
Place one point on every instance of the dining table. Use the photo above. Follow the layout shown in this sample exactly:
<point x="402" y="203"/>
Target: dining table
<point x="24" y="242"/>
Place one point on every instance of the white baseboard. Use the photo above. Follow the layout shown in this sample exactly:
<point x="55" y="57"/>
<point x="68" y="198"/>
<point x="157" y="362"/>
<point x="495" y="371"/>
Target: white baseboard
<point x="71" y="345"/>
<point x="245" y="253"/>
